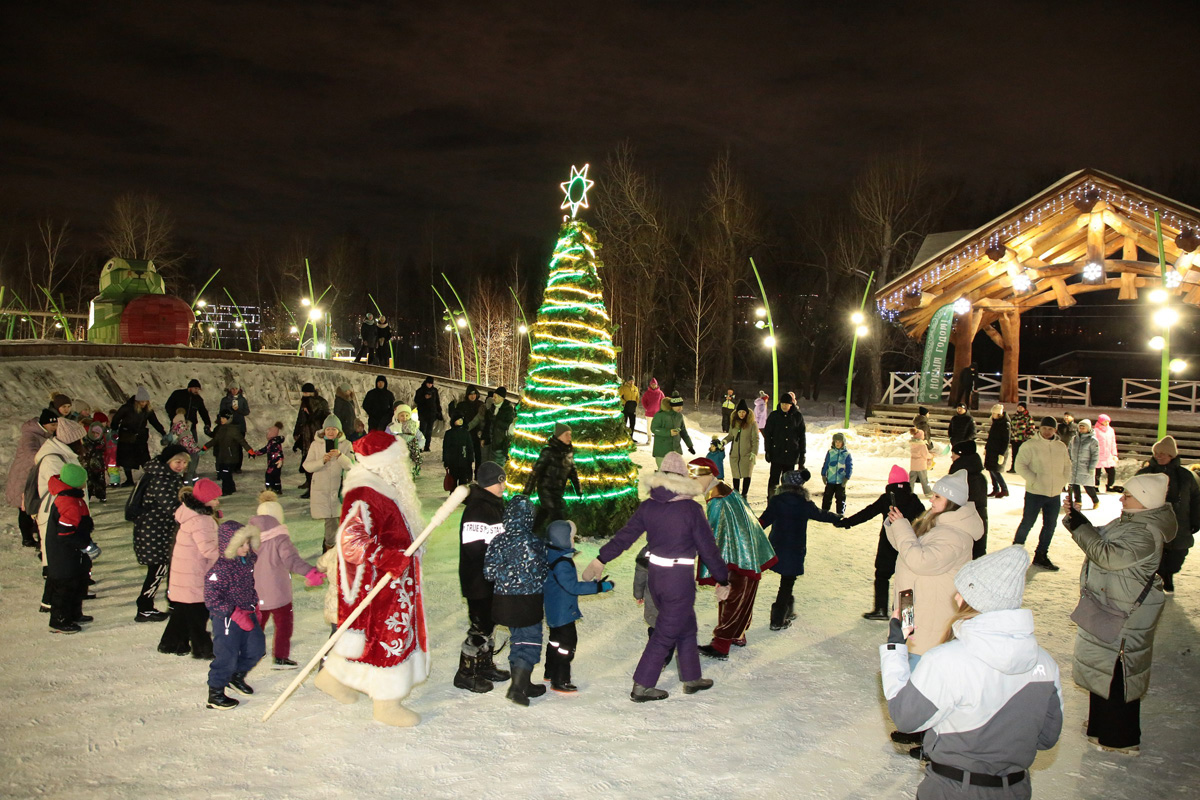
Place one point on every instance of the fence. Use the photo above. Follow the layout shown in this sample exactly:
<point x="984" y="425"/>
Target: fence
<point x="1181" y="395"/>
<point x="1046" y="390"/>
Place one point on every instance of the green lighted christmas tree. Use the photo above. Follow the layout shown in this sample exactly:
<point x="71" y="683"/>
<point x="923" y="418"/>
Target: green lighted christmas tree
<point x="572" y="378"/>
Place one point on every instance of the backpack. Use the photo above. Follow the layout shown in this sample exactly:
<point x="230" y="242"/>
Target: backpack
<point x="31" y="497"/>
<point x="137" y="499"/>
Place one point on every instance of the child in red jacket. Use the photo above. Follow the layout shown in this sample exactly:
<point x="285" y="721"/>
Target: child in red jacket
<point x="69" y="548"/>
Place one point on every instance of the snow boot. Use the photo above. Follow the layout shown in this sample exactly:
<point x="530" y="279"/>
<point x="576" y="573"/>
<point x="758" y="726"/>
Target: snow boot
<point x="390" y="712"/>
<point x="779" y="619"/>
<point x="560" y="678"/>
<point x="520" y="690"/>
<point x="217" y="699"/>
<point x="791" y="609"/>
<point x="470" y="674"/>
<point x="168" y="650"/>
<point x="877" y="613"/>
<point x="58" y="625"/>
<point x="900" y="737"/>
<point x="644" y="694"/>
<point x="335" y="688"/>
<point x="487" y="664"/>
<point x="1040" y="560"/>
<point x="712" y="652"/>
<point x="239" y="685"/>
<point x="698" y="685"/>
<point x="284" y="663"/>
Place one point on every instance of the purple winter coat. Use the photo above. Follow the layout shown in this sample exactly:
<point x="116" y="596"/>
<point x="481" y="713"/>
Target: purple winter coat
<point x="230" y="583"/>
<point x="675" y="527"/>
<point x="277" y="560"/>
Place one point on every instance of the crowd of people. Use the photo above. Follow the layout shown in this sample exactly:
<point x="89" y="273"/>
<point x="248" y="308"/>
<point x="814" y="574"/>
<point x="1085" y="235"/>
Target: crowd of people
<point x="966" y="683"/>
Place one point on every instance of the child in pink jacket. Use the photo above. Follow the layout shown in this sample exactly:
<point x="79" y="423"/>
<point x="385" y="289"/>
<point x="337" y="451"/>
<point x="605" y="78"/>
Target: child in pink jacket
<point x="919" y="460"/>
<point x="277" y="560"/>
<point x="194" y="554"/>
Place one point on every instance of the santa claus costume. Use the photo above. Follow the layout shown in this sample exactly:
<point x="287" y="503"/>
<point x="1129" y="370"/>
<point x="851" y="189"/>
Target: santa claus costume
<point x="386" y="651"/>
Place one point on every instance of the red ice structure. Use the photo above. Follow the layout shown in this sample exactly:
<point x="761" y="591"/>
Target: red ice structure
<point x="156" y="319"/>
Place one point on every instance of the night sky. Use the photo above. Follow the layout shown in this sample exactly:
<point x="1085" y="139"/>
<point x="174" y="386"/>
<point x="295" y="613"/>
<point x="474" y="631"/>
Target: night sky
<point x="250" y="117"/>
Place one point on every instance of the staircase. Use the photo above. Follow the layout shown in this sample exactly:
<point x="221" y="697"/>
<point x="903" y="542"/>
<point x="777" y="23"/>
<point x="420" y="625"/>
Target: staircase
<point x="1136" y="434"/>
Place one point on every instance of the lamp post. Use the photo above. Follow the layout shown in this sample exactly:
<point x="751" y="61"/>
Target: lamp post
<point x="1164" y="317"/>
<point x="770" y="341"/>
<point x="858" y="319"/>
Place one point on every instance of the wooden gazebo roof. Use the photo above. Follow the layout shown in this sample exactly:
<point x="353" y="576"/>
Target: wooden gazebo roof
<point x="1088" y="232"/>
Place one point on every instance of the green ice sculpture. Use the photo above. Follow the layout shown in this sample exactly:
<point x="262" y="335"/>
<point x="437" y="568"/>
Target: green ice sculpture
<point x="121" y="280"/>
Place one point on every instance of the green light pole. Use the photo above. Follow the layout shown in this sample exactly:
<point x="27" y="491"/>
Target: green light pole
<point x="470" y="329"/>
<point x="1165" y="317"/>
<point x="770" y="341"/>
<point x="452" y="318"/>
<point x="860" y="329"/>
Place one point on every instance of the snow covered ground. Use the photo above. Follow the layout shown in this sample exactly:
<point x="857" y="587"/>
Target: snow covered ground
<point x="797" y="713"/>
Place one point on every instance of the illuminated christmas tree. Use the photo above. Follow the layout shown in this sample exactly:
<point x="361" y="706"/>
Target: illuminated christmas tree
<point x="572" y="378"/>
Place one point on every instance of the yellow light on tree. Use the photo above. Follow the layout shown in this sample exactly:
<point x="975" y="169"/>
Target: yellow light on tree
<point x="572" y="378"/>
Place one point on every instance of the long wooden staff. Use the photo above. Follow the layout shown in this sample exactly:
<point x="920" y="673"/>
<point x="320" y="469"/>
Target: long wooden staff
<point x="455" y="499"/>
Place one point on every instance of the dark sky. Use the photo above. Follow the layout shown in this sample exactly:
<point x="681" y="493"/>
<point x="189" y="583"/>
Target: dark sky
<point x="247" y="117"/>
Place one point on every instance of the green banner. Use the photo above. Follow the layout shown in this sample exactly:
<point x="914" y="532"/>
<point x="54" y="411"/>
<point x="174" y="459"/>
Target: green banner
<point x="933" y="365"/>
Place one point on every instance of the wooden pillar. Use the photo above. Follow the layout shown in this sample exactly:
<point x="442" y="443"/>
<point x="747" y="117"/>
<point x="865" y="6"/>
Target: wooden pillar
<point x="965" y="328"/>
<point x="1010" y="330"/>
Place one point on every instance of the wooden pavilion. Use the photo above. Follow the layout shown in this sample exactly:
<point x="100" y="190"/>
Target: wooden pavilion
<point x="1088" y="232"/>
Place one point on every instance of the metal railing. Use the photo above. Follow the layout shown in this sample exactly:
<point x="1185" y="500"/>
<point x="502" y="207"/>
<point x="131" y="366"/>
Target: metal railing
<point x="1181" y="395"/>
<point x="903" y="387"/>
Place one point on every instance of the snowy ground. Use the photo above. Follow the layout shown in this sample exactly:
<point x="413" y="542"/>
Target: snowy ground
<point x="797" y="713"/>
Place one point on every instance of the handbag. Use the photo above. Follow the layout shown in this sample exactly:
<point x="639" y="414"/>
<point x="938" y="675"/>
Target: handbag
<point x="1099" y="618"/>
<point x="448" y="482"/>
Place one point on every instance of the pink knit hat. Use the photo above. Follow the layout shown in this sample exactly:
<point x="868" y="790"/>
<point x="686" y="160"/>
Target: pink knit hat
<point x="69" y="431"/>
<point x="206" y="490"/>
<point x="898" y="474"/>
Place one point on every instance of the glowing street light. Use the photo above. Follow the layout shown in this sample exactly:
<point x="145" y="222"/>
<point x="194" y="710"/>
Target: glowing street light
<point x="1177" y="365"/>
<point x="304" y="301"/>
<point x="461" y="322"/>
<point x="1158" y="296"/>
<point x="1158" y="343"/>
<point x="760" y="312"/>
<point x="447" y="329"/>
<point x="201" y="303"/>
<point x="769" y="341"/>
<point x="858" y="319"/>
<point x="237" y="323"/>
<point x="1166" y="317"/>
<point x="522" y="329"/>
<point x="314" y="315"/>
<point x="211" y="329"/>
<point x="961" y="306"/>
<point x="295" y="329"/>
<point x="861" y="330"/>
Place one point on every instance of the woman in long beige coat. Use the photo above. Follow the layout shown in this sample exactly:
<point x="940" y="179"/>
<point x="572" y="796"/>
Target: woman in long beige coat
<point x="328" y="456"/>
<point x="1122" y="557"/>
<point x="930" y="555"/>
<point x="743" y="452"/>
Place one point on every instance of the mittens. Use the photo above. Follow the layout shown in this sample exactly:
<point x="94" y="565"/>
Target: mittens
<point x="604" y="585"/>
<point x="314" y="577"/>
<point x="241" y="617"/>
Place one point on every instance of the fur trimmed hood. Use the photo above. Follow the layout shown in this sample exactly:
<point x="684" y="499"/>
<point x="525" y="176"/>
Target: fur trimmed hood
<point x="676" y="484"/>
<point x="239" y="537"/>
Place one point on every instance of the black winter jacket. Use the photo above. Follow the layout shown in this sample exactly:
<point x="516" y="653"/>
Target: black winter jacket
<point x="555" y="466"/>
<point x="1184" y="496"/>
<point x="901" y="494"/>
<point x="227" y="443"/>
<point x="154" y="530"/>
<point x="977" y="485"/>
<point x="192" y="405"/>
<point x="482" y="521"/>
<point x="783" y="437"/>
<point x="961" y="428"/>
<point x="378" y="404"/>
<point x="997" y="442"/>
<point x="428" y="403"/>
<point x="458" y="455"/>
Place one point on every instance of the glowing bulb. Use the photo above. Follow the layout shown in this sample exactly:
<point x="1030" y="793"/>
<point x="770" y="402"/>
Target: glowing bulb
<point x="769" y="341"/>
<point x="1178" y="365"/>
<point x="961" y="306"/>
<point x="861" y="330"/>
<point x="760" y="324"/>
<point x="1093" y="272"/>
<point x="1166" y="317"/>
<point x="319" y="348"/>
<point x="461" y="322"/>
<point x="1022" y="283"/>
<point x="760" y="312"/>
<point x="237" y="323"/>
<point x="315" y="314"/>
<point x="304" y="301"/>
<point x="201" y="303"/>
<point x="1158" y="296"/>
<point x="1158" y="343"/>
<point x="857" y="318"/>
<point x="211" y="329"/>
<point x="58" y="325"/>
<point x="1173" y="279"/>
<point x="448" y="329"/>
<point x="522" y="329"/>
<point x="295" y="329"/>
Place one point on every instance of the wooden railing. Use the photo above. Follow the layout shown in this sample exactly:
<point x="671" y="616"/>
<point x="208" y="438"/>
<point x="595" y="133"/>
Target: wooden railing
<point x="1046" y="390"/>
<point x="1143" y="392"/>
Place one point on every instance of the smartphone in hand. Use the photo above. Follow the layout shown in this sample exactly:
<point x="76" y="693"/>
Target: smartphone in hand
<point x="907" y="616"/>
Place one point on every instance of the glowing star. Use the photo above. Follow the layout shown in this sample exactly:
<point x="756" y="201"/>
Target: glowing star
<point x="576" y="190"/>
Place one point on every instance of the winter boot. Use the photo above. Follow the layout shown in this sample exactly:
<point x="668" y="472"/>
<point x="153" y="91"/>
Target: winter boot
<point x="698" y="685"/>
<point x="877" y="613"/>
<point x="61" y="625"/>
<point x="712" y="652"/>
<point x="390" y="712"/>
<point x="791" y="609"/>
<point x="218" y="700"/>
<point x="239" y="685"/>
<point x="487" y="664"/>
<point x="1040" y="560"/>
<point x="644" y="694"/>
<point x="203" y="649"/>
<point x="335" y="688"/>
<point x="560" y="679"/>
<point x="470" y="674"/>
<point x="520" y="690"/>
<point x="779" y="619"/>
<point x="170" y="650"/>
<point x="900" y="737"/>
<point x="284" y="663"/>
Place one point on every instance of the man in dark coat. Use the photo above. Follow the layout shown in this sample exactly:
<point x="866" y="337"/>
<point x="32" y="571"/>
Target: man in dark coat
<point x="1184" y="496"/>
<point x="192" y="403"/>
<point x="961" y="427"/>
<point x="428" y="404"/>
<point x="1067" y="429"/>
<point x="965" y="456"/>
<point x="133" y="437"/>
<point x="383" y="343"/>
<point x="482" y="521"/>
<point x="554" y="467"/>
<point x="898" y="493"/>
<point x="309" y="419"/>
<point x="783" y="438"/>
<point x="503" y="414"/>
<point x="378" y="404"/>
<point x="368" y="336"/>
<point x="966" y="384"/>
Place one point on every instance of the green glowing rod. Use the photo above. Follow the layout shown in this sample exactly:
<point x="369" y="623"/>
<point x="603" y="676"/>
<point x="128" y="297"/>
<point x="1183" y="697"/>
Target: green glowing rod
<point x="470" y="328"/>
<point x="391" y="348"/>
<point x="245" y="329"/>
<point x="525" y="322"/>
<point x="462" y="356"/>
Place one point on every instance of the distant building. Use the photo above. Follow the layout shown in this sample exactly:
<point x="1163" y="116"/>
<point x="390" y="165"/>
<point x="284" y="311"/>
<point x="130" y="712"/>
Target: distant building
<point x="222" y="321"/>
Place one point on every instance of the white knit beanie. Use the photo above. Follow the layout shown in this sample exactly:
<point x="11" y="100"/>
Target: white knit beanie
<point x="269" y="505"/>
<point x="994" y="582"/>
<point x="1149" y="489"/>
<point x="953" y="487"/>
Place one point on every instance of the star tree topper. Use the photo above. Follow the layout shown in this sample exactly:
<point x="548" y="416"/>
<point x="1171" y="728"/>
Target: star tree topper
<point x="576" y="190"/>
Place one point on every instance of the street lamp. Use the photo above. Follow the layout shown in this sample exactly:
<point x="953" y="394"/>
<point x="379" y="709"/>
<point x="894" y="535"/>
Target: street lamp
<point x="201" y="303"/>
<point x="314" y="315"/>
<point x="522" y="329"/>
<point x="1158" y="343"/>
<point x="304" y="301"/>
<point x="1158" y="296"/>
<point x="760" y="312"/>
<point x="461" y="322"/>
<point x="1177" y="365"/>
<point x="769" y="342"/>
<point x="858" y="319"/>
<point x="295" y="329"/>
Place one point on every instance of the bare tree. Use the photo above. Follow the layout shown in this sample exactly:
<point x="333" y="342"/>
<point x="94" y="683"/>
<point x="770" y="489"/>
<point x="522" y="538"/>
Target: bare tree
<point x="892" y="198"/>
<point x="695" y="306"/>
<point x="48" y="266"/>
<point x="142" y="227"/>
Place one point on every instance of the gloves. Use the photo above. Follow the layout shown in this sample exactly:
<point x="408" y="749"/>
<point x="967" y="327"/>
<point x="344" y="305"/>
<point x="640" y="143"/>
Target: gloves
<point x="895" y="632"/>
<point x="241" y="617"/>
<point x="1073" y="519"/>
<point x="314" y="577"/>
<point x="92" y="551"/>
<point x="691" y="451"/>
<point x="604" y="585"/>
<point x="254" y="454"/>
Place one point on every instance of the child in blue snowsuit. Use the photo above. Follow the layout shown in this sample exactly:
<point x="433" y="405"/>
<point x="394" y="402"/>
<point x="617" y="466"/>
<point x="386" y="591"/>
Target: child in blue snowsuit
<point x="562" y="591"/>
<point x="716" y="454"/>
<point x="835" y="474"/>
<point x="238" y="641"/>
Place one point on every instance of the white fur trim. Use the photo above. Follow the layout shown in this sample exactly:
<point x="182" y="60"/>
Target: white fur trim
<point x="376" y="461"/>
<point x="403" y="494"/>
<point x="379" y="683"/>
<point x="667" y="480"/>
